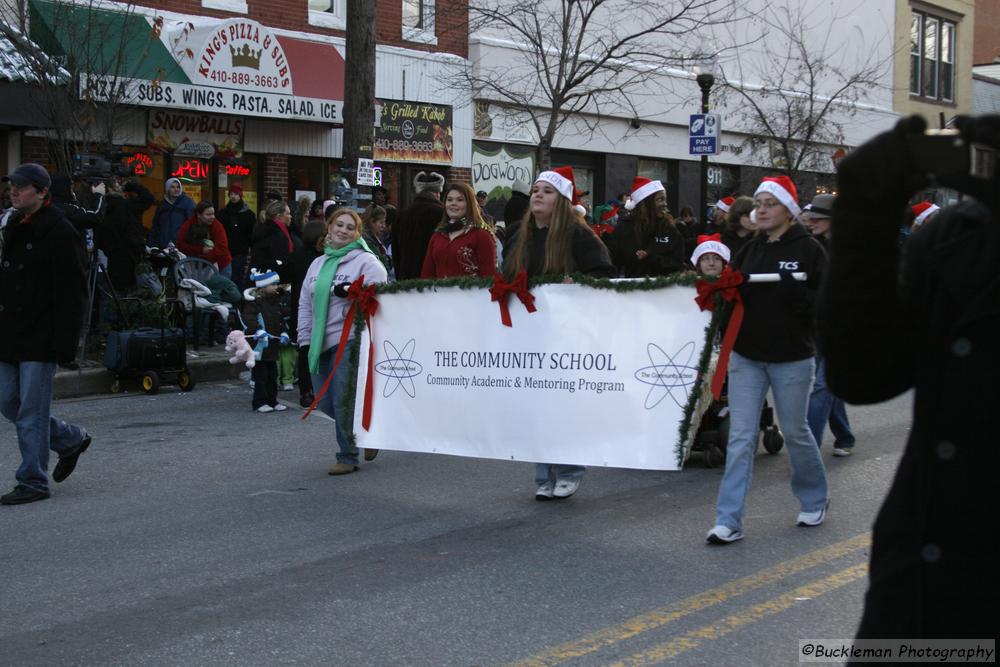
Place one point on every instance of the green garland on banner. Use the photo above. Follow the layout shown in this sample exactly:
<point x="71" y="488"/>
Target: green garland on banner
<point x="687" y="279"/>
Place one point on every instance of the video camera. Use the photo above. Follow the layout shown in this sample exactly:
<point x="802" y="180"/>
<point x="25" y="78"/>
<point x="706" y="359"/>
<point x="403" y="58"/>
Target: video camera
<point x="94" y="168"/>
<point x="950" y="161"/>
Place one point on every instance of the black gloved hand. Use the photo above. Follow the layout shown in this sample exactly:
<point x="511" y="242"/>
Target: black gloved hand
<point x="341" y="290"/>
<point x="786" y="276"/>
<point x="881" y="171"/>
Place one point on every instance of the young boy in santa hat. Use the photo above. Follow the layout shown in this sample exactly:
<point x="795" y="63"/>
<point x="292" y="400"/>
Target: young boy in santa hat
<point x="710" y="256"/>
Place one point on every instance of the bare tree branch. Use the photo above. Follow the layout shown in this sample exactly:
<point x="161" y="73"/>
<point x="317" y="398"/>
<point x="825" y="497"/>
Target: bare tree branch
<point x="584" y="59"/>
<point x="792" y="94"/>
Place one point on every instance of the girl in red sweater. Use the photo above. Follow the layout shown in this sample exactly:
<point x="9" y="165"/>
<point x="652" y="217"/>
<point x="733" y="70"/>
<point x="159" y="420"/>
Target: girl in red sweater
<point x="203" y="236"/>
<point x="463" y="244"/>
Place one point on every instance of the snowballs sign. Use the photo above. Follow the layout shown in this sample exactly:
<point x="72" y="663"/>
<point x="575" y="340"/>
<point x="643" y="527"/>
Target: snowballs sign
<point x="567" y="383"/>
<point x="236" y="67"/>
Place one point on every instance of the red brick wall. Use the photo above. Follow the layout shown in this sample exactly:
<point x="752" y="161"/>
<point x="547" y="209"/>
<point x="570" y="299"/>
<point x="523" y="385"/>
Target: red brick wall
<point x="460" y="174"/>
<point x="275" y="173"/>
<point x="452" y="20"/>
<point x="986" y="35"/>
<point x="35" y="149"/>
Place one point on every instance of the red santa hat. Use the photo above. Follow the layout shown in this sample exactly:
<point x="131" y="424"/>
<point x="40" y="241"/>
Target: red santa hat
<point x="783" y="190"/>
<point x="561" y="178"/>
<point x="710" y="243"/>
<point x="924" y="210"/>
<point x="642" y="188"/>
<point x="724" y="204"/>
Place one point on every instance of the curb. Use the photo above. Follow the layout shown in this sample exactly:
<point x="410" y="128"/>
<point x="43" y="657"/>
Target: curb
<point x="98" y="380"/>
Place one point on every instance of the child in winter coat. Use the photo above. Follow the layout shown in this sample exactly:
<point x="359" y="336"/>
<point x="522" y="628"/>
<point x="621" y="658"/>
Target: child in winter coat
<point x="265" y="324"/>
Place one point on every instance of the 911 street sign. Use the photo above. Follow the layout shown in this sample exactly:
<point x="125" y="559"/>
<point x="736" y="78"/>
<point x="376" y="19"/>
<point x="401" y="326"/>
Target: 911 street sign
<point x="703" y="134"/>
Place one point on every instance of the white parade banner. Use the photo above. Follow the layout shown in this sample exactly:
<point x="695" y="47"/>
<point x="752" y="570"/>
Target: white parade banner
<point x="593" y="377"/>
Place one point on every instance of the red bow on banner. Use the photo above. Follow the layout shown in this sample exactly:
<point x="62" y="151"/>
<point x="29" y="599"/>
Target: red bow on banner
<point x="501" y="290"/>
<point x="362" y="299"/>
<point x="702" y="238"/>
<point x="725" y="287"/>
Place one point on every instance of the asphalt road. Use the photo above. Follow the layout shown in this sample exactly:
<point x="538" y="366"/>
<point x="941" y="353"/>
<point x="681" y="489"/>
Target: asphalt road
<point x="197" y="533"/>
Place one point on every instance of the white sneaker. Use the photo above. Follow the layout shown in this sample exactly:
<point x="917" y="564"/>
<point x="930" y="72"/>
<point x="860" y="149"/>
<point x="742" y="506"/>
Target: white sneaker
<point x="544" y="491"/>
<point x="287" y="387"/>
<point x="565" y="488"/>
<point x="280" y="407"/>
<point x="265" y="409"/>
<point x="723" y="535"/>
<point x="842" y="451"/>
<point x="809" y="519"/>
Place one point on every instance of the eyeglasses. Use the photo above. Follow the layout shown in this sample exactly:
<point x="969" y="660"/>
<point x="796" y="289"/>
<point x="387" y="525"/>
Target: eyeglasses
<point x="767" y="204"/>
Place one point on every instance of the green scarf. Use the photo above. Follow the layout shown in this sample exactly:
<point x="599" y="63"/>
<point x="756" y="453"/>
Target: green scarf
<point x="321" y="297"/>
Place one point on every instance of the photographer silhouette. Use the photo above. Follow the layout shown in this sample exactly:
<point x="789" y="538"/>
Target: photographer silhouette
<point x="924" y="317"/>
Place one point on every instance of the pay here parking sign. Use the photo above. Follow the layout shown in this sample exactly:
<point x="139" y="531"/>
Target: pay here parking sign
<point x="703" y="134"/>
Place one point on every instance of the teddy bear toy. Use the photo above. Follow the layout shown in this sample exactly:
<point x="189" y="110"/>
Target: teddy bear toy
<point x="236" y="343"/>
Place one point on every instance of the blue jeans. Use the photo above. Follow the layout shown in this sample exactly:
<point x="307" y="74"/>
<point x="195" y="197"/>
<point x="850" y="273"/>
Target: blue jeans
<point x="330" y="403"/>
<point x="790" y="382"/>
<point x="553" y="472"/>
<point x="825" y="407"/>
<point x="26" y="400"/>
<point x="238" y="271"/>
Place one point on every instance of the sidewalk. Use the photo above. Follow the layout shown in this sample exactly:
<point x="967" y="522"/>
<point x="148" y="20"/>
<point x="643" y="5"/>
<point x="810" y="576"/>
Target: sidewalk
<point x="208" y="364"/>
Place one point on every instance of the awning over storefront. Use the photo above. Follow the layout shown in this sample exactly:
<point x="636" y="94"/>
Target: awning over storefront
<point x="232" y="66"/>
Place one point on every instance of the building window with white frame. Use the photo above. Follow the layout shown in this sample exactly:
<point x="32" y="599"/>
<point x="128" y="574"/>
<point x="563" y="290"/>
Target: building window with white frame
<point x="418" y="21"/>
<point x="328" y="14"/>
<point x="932" y="57"/>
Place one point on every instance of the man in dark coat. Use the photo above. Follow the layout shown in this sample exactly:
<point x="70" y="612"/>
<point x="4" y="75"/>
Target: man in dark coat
<point x="516" y="207"/>
<point x="926" y="320"/>
<point x="121" y="235"/>
<point x="43" y="296"/>
<point x="415" y="225"/>
<point x="238" y="221"/>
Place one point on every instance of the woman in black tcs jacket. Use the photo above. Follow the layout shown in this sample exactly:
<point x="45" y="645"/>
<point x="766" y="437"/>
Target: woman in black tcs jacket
<point x="774" y="349"/>
<point x="648" y="243"/>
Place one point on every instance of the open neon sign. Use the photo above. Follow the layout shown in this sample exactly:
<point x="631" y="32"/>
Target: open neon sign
<point x="191" y="170"/>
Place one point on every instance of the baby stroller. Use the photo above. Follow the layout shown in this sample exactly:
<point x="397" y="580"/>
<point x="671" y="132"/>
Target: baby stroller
<point x="713" y="433"/>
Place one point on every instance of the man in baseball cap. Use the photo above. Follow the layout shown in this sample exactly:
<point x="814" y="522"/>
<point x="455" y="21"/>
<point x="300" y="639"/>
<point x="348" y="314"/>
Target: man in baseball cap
<point x="43" y="299"/>
<point x="30" y="174"/>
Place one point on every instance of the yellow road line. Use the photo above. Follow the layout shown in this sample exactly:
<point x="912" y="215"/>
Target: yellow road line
<point x="695" y="638"/>
<point x="667" y="614"/>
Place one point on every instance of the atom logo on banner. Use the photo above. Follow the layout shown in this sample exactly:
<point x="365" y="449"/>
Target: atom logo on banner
<point x="401" y="367"/>
<point x="665" y="374"/>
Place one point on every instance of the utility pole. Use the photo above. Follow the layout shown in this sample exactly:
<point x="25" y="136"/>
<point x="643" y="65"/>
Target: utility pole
<point x="359" y="91"/>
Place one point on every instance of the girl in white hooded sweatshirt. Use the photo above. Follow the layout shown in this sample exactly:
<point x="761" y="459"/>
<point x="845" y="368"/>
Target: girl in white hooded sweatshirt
<point x="321" y="320"/>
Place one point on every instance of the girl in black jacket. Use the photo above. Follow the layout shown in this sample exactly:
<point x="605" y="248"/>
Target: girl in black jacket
<point x="648" y="243"/>
<point x="774" y="349"/>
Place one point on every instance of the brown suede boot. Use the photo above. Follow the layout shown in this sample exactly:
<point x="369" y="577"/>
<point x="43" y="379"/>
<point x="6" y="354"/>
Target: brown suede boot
<point x="370" y="454"/>
<point x="342" y="469"/>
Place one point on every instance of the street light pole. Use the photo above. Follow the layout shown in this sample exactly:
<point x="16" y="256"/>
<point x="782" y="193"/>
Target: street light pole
<point x="705" y="81"/>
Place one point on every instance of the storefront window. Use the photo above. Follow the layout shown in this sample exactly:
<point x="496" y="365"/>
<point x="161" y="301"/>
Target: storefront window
<point x="239" y="171"/>
<point x="193" y="174"/>
<point x="306" y="177"/>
